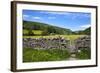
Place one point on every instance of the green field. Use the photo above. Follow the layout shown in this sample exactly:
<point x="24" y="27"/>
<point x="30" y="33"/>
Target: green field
<point x="69" y="37"/>
<point x="34" y="55"/>
<point x="36" y="32"/>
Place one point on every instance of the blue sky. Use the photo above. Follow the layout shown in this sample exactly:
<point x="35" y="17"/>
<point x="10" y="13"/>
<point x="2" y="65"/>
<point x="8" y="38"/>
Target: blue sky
<point x="70" y="20"/>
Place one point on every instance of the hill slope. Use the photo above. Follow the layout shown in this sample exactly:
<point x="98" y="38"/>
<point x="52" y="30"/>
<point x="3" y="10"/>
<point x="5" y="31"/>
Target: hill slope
<point x="87" y="31"/>
<point x="45" y="28"/>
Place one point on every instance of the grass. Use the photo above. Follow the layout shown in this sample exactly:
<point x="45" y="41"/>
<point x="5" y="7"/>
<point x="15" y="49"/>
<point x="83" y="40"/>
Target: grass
<point x="34" y="55"/>
<point x="25" y="31"/>
<point x="84" y="53"/>
<point x="39" y="35"/>
<point x="70" y="37"/>
<point x="36" y="32"/>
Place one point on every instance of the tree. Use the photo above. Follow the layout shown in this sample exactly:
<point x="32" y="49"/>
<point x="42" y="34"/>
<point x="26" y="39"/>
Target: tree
<point x="45" y="32"/>
<point x="30" y="33"/>
<point x="87" y="31"/>
<point x="51" y="29"/>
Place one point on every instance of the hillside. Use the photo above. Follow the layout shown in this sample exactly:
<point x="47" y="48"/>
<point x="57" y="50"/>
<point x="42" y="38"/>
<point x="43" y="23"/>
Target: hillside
<point x="46" y="29"/>
<point x="87" y="31"/>
<point x="37" y="28"/>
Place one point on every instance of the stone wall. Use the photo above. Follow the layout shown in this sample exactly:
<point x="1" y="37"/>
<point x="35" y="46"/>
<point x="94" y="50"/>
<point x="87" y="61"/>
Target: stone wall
<point x="57" y="43"/>
<point x="83" y="42"/>
<point x="46" y="43"/>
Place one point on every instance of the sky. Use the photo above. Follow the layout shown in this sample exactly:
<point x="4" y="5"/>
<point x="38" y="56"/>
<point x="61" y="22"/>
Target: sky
<point x="70" y="20"/>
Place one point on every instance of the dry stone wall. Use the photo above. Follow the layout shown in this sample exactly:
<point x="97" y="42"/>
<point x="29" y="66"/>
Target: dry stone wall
<point x="46" y="43"/>
<point x="83" y="43"/>
<point x="57" y="43"/>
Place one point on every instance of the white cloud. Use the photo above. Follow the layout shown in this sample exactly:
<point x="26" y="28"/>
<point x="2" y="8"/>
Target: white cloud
<point x="36" y="17"/>
<point x="25" y="16"/>
<point x="57" y="12"/>
<point x="85" y="26"/>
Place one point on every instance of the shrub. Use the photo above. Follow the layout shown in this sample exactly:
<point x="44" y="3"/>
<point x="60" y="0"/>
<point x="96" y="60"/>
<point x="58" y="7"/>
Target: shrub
<point x="84" y="53"/>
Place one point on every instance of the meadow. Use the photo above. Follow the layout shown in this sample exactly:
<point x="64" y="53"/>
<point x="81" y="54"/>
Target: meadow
<point x="69" y="37"/>
<point x="34" y="55"/>
<point x="36" y="32"/>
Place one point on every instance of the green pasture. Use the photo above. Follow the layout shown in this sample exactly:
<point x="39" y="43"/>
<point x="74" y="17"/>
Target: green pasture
<point x="34" y="55"/>
<point x="36" y="32"/>
<point x="69" y="37"/>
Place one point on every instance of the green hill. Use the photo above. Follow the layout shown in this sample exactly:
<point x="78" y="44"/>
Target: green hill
<point x="37" y="28"/>
<point x="45" y="29"/>
<point x="87" y="31"/>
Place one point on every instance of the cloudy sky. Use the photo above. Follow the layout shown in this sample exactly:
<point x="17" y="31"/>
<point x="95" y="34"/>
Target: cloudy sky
<point x="70" y="20"/>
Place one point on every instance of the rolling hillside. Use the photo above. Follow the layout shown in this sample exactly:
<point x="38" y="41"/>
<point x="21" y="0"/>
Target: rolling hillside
<point x="37" y="28"/>
<point x="44" y="28"/>
<point x="87" y="31"/>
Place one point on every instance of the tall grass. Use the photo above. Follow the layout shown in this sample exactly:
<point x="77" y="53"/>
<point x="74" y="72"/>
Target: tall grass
<point x="84" y="53"/>
<point x="34" y="55"/>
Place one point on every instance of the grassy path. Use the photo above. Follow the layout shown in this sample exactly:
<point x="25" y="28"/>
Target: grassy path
<point x="72" y="57"/>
